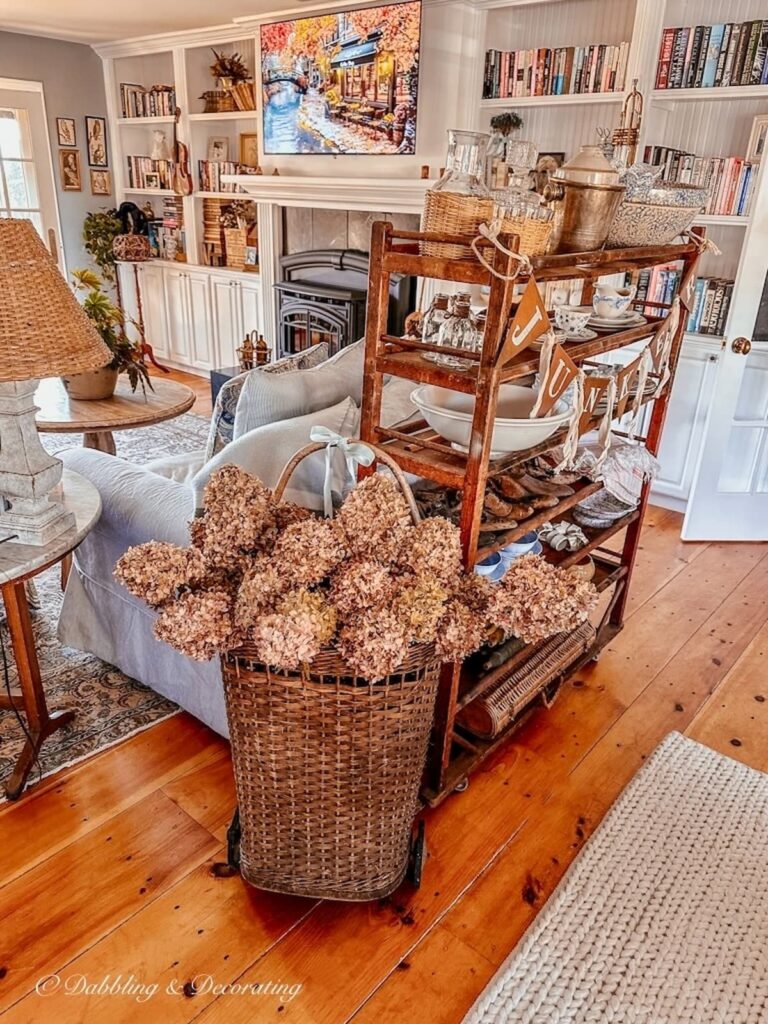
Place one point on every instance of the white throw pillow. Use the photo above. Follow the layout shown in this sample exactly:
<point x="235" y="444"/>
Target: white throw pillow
<point x="265" y="451"/>
<point x="396" y="401"/>
<point x="268" y="398"/>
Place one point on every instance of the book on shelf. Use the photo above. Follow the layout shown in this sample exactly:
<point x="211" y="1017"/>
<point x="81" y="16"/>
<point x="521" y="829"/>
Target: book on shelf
<point x="713" y="56"/>
<point x="136" y="101"/>
<point x="210" y="173"/>
<point x="564" y="70"/>
<point x="144" y="172"/>
<point x="166" y="232"/>
<point x="711" y="302"/>
<point x="730" y="180"/>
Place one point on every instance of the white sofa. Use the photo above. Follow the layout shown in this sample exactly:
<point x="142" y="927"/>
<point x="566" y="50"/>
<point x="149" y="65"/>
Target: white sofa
<point x="156" y="502"/>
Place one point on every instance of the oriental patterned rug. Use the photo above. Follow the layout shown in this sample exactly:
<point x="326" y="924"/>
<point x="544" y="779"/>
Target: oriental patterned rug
<point x="110" y="706"/>
<point x="663" y="916"/>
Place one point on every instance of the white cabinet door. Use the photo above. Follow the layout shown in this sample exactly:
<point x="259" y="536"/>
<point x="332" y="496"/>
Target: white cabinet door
<point x="249" y="294"/>
<point x="179" y="348"/>
<point x="200" y="322"/>
<point x="686" y="415"/>
<point x="227" y="319"/>
<point x="153" y="306"/>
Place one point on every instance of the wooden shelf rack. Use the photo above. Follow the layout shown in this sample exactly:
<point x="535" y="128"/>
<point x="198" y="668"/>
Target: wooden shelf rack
<point x="419" y="450"/>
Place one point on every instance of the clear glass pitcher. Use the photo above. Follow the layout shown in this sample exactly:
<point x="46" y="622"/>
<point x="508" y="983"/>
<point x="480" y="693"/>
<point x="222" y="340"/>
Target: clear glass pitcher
<point x="465" y="164"/>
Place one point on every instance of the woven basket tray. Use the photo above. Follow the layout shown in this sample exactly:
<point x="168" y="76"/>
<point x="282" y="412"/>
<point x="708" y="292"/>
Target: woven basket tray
<point x="447" y="213"/>
<point x="490" y="714"/>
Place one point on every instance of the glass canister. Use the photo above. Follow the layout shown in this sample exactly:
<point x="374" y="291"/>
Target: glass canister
<point x="465" y="165"/>
<point x="434" y="318"/>
<point x="460" y="201"/>
<point x="458" y="332"/>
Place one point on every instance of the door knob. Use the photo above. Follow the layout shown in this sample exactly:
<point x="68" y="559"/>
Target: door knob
<point x="741" y="346"/>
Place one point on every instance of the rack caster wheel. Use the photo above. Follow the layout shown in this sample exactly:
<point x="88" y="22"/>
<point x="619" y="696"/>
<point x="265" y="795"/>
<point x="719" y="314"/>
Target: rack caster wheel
<point x="225" y="869"/>
<point x="416" y="856"/>
<point x="462" y="786"/>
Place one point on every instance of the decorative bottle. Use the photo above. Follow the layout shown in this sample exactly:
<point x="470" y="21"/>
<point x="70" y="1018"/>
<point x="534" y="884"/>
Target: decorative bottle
<point x="433" y="321"/>
<point x="458" y="332"/>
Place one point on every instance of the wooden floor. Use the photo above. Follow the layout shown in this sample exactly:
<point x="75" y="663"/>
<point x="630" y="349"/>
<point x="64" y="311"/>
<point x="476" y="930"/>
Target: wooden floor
<point x="105" y="871"/>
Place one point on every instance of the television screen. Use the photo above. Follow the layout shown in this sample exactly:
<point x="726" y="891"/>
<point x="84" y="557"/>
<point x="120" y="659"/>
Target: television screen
<point x="342" y="83"/>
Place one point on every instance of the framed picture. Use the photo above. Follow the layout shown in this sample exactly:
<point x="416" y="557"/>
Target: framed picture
<point x="69" y="170"/>
<point x="218" y="149"/>
<point x="101" y="182"/>
<point x="757" y="138"/>
<point x="96" y="137"/>
<point x="249" y="149"/>
<point x="151" y="180"/>
<point x="251" y="256"/>
<point x="66" y="132"/>
<point x="545" y="165"/>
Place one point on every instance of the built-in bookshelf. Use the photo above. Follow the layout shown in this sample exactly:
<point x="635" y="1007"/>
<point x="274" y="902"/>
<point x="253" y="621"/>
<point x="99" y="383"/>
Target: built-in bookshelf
<point x="729" y="180"/>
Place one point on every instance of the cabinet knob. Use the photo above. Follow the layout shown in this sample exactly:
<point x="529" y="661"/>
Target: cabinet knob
<point x="741" y="346"/>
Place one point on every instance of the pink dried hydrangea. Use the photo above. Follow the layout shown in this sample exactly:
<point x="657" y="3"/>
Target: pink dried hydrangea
<point x="459" y="632"/>
<point x="156" y="570"/>
<point x="535" y="600"/>
<point x="285" y="641"/>
<point x="198" y="624"/>
<point x="375" y="507"/>
<point x="373" y="645"/>
<point x="308" y="551"/>
<point x="239" y="514"/>
<point x="361" y="583"/>
<point x="259" y="591"/>
<point x="433" y="551"/>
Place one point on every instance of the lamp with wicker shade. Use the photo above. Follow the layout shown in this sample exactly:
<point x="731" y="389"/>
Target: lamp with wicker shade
<point x="43" y="333"/>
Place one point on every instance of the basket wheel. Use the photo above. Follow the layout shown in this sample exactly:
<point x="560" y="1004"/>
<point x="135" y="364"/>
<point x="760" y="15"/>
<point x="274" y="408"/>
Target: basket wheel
<point x="460" y="787"/>
<point x="225" y="869"/>
<point x="416" y="856"/>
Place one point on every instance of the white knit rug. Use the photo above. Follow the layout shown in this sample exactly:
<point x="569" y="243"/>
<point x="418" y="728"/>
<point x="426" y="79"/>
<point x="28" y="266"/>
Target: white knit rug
<point x="663" y="916"/>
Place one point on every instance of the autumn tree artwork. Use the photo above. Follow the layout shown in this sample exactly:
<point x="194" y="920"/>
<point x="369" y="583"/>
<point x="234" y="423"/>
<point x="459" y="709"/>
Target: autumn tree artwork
<point x="342" y="83"/>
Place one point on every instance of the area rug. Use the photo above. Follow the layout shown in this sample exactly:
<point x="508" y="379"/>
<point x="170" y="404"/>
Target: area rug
<point x="663" y="916"/>
<point x="110" y="706"/>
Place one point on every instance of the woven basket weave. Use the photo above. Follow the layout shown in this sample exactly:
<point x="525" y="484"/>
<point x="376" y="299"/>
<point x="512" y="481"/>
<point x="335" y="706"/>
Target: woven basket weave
<point x="328" y="765"/>
<point x="489" y="714"/>
<point x="448" y="213"/>
<point x="533" y="234"/>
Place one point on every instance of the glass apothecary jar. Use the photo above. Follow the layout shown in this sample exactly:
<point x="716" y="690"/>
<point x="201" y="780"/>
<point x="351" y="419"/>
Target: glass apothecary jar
<point x="457" y="332"/>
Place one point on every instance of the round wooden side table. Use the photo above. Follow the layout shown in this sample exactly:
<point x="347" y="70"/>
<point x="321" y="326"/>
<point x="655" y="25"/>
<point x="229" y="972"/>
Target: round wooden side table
<point x="19" y="563"/>
<point x="125" y="410"/>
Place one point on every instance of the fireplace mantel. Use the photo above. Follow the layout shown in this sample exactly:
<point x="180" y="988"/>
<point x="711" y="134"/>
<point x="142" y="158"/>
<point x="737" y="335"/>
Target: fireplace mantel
<point x="387" y="195"/>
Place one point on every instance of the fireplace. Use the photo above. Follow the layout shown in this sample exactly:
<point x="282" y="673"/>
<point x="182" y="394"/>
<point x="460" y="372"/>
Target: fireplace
<point x="322" y="297"/>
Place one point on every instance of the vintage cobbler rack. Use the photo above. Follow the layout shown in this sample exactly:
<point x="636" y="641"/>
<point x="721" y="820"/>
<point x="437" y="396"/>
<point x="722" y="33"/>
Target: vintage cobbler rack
<point x="454" y="751"/>
<point x="328" y="765"/>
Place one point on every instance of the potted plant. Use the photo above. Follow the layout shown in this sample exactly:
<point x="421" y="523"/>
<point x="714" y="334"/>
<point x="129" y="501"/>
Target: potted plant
<point x="110" y="322"/>
<point x="99" y="230"/>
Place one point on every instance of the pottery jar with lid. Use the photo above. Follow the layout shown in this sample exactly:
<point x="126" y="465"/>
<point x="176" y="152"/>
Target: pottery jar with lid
<point x="586" y="193"/>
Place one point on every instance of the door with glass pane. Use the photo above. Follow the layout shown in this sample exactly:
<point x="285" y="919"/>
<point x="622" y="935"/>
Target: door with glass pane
<point x="26" y="170"/>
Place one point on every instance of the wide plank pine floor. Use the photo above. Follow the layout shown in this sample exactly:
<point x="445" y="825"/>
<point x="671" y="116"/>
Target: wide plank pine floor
<point x="105" y="870"/>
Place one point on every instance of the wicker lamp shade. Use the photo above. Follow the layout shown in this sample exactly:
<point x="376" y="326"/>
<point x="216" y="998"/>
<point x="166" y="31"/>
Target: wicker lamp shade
<point x="43" y="329"/>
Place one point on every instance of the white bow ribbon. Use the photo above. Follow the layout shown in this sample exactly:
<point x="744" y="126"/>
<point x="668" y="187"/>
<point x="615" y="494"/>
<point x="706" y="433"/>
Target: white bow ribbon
<point x="355" y="454"/>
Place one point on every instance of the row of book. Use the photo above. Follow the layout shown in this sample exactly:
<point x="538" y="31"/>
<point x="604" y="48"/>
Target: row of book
<point x="144" y="172"/>
<point x="210" y="173"/>
<point x="136" y="101"/>
<point x="558" y="72"/>
<point x="658" y="284"/>
<point x="730" y="180"/>
<point x="166" y="233"/>
<point x="711" y="302"/>
<point x="713" y="56"/>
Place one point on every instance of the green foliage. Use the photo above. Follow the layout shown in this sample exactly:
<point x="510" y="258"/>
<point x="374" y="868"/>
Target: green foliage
<point x="99" y="231"/>
<point x="110" y="322"/>
<point x="506" y="122"/>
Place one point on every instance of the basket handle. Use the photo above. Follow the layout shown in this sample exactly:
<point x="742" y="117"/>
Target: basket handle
<point x="381" y="456"/>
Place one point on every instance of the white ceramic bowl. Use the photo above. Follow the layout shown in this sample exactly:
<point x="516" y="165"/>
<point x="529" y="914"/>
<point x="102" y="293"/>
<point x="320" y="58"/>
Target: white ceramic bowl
<point x="450" y="414"/>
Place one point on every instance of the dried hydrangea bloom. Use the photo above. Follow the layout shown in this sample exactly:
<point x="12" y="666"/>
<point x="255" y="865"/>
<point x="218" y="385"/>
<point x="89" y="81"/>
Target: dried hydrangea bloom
<point x="285" y="641"/>
<point x="239" y="513"/>
<point x="433" y="551"/>
<point x="198" y="624"/>
<point x="459" y="632"/>
<point x="308" y="551"/>
<point x="259" y="591"/>
<point x="287" y="512"/>
<point x="375" y="507"/>
<point x="322" y="613"/>
<point x="361" y="583"/>
<point x="156" y="570"/>
<point x="391" y="545"/>
<point x="197" y="531"/>
<point x="476" y="593"/>
<point x="421" y="606"/>
<point x="535" y="600"/>
<point x="373" y="645"/>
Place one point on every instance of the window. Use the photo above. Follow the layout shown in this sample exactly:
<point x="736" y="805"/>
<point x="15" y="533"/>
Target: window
<point x="19" y="196"/>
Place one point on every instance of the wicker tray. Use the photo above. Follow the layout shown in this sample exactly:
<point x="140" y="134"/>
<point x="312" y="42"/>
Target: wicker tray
<point x="489" y="714"/>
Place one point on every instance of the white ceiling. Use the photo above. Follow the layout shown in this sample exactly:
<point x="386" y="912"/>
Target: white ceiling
<point x="93" y="21"/>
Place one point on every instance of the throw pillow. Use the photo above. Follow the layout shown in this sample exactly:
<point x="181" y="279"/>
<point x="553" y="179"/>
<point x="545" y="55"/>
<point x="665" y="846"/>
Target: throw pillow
<point x="265" y="451"/>
<point x="269" y="399"/>
<point x="396" y="404"/>
<point x="223" y="417"/>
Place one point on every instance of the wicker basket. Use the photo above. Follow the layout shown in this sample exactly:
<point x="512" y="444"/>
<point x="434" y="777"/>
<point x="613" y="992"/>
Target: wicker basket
<point x="131" y="248"/>
<point x="448" y="213"/>
<point x="328" y="765"/>
<point x="533" y="234"/>
<point x="489" y="714"/>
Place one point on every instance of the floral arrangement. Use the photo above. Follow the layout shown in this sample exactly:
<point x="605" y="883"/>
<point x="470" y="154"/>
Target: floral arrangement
<point x="229" y="66"/>
<point x="369" y="582"/>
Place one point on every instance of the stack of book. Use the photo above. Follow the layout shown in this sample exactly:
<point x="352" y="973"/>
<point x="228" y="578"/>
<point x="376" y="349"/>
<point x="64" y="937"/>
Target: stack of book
<point x="710" y="306"/>
<point x="730" y="180"/>
<point x="558" y="72"/>
<point x="210" y="172"/>
<point x="144" y="172"/>
<point x="713" y="56"/>
<point x="136" y="101"/>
